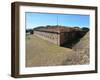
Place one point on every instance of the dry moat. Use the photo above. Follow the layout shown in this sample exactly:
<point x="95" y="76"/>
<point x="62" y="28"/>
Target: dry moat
<point x="42" y="50"/>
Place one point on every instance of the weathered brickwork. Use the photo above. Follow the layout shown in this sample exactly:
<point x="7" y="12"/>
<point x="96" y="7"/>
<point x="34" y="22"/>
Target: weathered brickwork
<point x="51" y="37"/>
<point x="57" y="35"/>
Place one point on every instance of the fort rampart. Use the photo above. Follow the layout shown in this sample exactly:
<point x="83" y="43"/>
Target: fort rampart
<point x="58" y="35"/>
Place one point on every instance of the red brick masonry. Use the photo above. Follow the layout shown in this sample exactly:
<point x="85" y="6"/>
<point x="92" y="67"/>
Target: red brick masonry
<point x="58" y="35"/>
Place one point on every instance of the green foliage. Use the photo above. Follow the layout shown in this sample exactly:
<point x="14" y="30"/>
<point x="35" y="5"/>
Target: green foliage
<point x="29" y="31"/>
<point x="85" y="29"/>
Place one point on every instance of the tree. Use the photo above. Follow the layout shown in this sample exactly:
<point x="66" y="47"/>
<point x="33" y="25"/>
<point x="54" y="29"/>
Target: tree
<point x="29" y="31"/>
<point x="85" y="29"/>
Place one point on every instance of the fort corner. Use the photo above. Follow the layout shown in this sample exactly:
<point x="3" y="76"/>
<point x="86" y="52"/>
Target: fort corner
<point x="59" y="35"/>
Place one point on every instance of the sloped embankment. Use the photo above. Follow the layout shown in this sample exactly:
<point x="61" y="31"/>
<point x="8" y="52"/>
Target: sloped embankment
<point x="81" y="52"/>
<point x="42" y="53"/>
<point x="83" y="43"/>
<point x="82" y="49"/>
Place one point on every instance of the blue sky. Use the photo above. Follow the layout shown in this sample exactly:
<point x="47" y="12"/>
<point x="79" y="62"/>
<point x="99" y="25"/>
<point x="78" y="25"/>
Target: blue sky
<point x="42" y="19"/>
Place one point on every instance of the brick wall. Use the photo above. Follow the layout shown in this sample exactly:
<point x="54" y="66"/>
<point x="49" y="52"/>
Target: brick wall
<point x="58" y="38"/>
<point x="51" y="37"/>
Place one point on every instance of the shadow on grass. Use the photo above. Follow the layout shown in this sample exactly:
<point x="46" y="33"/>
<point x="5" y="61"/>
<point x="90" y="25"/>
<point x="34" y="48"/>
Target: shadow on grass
<point x="71" y="43"/>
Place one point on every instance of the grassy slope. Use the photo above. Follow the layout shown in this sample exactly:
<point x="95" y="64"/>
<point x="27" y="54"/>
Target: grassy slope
<point x="82" y="48"/>
<point x="83" y="43"/>
<point x="43" y="53"/>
